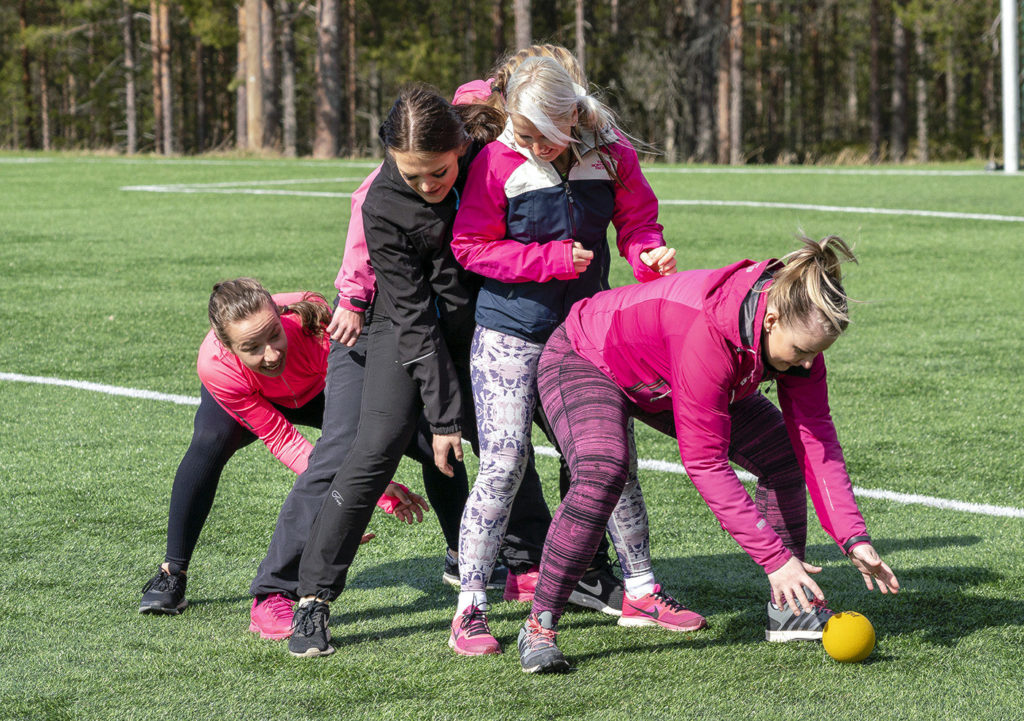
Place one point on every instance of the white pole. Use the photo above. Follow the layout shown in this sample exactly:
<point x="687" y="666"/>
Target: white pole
<point x="1011" y="88"/>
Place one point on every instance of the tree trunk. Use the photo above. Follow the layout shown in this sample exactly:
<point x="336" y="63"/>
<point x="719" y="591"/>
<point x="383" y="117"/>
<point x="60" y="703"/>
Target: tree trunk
<point x="130" y="114"/>
<point x="327" y="109"/>
<point x="241" y="102"/>
<point x="268" y="71"/>
<point x="166" y="95"/>
<point x="524" y="23"/>
<point x="787" y="80"/>
<point x="350" y="79"/>
<point x="875" y="90"/>
<point x="581" y="38"/>
<point x="158" y="86"/>
<point x="921" y="99"/>
<point x="289" y="124"/>
<point x="722" y="86"/>
<point x="852" y="105"/>
<point x="32" y="138"/>
<point x="254" y="75"/>
<point x="704" y="81"/>
<point x="736" y="83"/>
<point x="615" y="17"/>
<point x="898" y="141"/>
<point x="373" y="118"/>
<point x="950" y="88"/>
<point x="44" y="100"/>
<point x="498" y="26"/>
<point x="201" y="113"/>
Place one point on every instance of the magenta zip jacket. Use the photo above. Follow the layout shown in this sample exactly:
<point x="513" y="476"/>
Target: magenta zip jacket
<point x="687" y="343"/>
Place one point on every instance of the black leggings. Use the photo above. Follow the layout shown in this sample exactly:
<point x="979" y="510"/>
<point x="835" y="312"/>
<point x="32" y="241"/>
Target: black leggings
<point x="391" y="405"/>
<point x="217" y="436"/>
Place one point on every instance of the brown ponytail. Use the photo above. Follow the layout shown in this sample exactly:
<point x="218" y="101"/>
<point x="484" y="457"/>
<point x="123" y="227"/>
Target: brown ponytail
<point x="314" y="315"/>
<point x="808" y="288"/>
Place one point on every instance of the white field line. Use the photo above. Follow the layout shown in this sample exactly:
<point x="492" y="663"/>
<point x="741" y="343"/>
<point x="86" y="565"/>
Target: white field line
<point x="849" y="209"/>
<point x="804" y="170"/>
<point x="247" y="188"/>
<point x="644" y="463"/>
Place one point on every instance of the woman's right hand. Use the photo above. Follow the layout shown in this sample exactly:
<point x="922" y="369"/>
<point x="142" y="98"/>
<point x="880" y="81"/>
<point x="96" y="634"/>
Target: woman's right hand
<point x="345" y="326"/>
<point x="788" y="585"/>
<point x="443" y="443"/>
<point x="581" y="257"/>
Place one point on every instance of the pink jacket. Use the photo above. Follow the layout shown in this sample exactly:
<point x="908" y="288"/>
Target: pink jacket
<point x="689" y="344"/>
<point x="248" y="396"/>
<point x="356" y="281"/>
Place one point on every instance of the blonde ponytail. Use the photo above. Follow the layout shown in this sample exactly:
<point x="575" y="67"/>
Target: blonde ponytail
<point x="808" y="288"/>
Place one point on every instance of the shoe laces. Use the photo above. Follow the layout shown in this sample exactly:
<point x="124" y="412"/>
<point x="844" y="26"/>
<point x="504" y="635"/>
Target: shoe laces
<point x="310" y="616"/>
<point x="278" y="606"/>
<point x="668" y="601"/>
<point x="474" y="621"/>
<point x="163" y="581"/>
<point x="537" y="636"/>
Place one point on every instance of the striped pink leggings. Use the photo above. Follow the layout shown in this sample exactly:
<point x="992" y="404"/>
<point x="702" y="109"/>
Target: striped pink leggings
<point x="588" y="413"/>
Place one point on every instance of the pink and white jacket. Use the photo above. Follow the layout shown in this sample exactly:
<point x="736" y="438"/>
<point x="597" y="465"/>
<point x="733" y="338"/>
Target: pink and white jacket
<point x="519" y="218"/>
<point x="690" y="344"/>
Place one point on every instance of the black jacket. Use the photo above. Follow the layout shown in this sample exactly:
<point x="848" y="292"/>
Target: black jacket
<point x="422" y="289"/>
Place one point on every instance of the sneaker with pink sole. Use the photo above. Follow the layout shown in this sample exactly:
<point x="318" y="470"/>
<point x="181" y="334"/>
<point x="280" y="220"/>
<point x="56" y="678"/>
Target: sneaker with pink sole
<point x="272" y="618"/>
<point x="520" y="586"/>
<point x="471" y="636"/>
<point x="659" y="609"/>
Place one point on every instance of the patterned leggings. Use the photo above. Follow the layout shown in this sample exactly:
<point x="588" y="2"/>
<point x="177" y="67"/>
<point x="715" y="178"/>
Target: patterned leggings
<point x="589" y="414"/>
<point x="504" y="375"/>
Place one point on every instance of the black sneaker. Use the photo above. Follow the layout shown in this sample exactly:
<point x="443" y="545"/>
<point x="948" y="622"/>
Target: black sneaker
<point x="600" y="590"/>
<point x="451" y="575"/>
<point x="784" y="625"/>
<point x="165" y="592"/>
<point x="310" y="635"/>
<point x="538" y="652"/>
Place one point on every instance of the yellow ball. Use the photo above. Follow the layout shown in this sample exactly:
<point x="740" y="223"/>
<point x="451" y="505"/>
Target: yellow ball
<point x="848" y="637"/>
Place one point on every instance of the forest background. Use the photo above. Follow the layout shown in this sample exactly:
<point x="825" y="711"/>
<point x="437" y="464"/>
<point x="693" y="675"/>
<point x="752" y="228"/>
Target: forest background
<point x="724" y="81"/>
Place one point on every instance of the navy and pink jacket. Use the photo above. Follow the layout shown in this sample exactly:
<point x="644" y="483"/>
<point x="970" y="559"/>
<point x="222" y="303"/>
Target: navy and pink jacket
<point x="519" y="217"/>
<point x="690" y="344"/>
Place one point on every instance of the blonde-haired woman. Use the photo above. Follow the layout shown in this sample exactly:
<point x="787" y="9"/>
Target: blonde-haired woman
<point x="686" y="355"/>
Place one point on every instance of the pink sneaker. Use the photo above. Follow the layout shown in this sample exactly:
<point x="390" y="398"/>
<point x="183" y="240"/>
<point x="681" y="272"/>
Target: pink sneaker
<point x="272" y="618"/>
<point x="659" y="609"/>
<point x="520" y="586"/>
<point x="470" y="634"/>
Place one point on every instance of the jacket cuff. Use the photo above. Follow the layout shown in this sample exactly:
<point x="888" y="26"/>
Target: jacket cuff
<point x="356" y="305"/>
<point x="447" y="429"/>
<point x="855" y="541"/>
<point x="568" y="271"/>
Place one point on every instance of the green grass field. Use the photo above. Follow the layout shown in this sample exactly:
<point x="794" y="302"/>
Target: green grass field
<point x="110" y="286"/>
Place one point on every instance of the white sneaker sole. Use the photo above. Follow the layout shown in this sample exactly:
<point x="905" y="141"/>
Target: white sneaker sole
<point x="784" y="636"/>
<point x="578" y="599"/>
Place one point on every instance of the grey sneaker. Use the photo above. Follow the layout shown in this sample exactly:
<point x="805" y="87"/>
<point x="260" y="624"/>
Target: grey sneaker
<point x="600" y="590"/>
<point x="537" y="650"/>
<point x="310" y="635"/>
<point x="784" y="625"/>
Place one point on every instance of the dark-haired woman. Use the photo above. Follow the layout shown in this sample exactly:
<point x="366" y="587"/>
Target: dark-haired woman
<point x="262" y="370"/>
<point x="421" y="324"/>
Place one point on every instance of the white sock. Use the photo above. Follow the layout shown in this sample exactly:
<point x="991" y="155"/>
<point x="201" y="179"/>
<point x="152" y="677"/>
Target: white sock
<point x="637" y="586"/>
<point x="470" y="598"/>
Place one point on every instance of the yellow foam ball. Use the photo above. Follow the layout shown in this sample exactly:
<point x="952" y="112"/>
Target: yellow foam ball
<point x="848" y="637"/>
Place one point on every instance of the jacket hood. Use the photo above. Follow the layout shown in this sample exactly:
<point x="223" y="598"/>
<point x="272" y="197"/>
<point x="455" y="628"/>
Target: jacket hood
<point x="733" y="305"/>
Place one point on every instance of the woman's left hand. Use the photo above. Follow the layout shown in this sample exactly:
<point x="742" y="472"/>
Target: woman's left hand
<point x="873" y="568"/>
<point x="662" y="260"/>
<point x="409" y="504"/>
